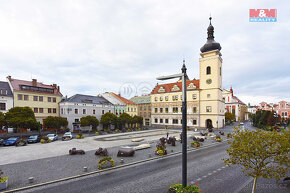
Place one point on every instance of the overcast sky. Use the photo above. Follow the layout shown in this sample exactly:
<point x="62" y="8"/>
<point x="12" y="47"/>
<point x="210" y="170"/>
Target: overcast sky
<point x="94" y="46"/>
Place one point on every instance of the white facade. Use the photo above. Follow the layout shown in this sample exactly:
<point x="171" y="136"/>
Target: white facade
<point x="6" y="103"/>
<point x="79" y="106"/>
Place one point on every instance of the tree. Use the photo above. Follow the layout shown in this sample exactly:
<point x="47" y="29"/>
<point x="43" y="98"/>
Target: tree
<point x="55" y="122"/>
<point x="260" y="153"/>
<point x="125" y="118"/>
<point x="2" y="120"/>
<point x="229" y="117"/>
<point x="21" y="118"/>
<point x="137" y="120"/>
<point x="90" y="121"/>
<point x="271" y="120"/>
<point x="108" y="119"/>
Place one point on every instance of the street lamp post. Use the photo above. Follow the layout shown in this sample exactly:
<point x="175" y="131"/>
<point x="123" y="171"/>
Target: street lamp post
<point x="217" y="124"/>
<point x="184" y="120"/>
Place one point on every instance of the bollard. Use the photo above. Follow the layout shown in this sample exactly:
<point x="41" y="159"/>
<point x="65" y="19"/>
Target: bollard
<point x="122" y="161"/>
<point x="149" y="154"/>
<point x="172" y="150"/>
<point x="31" y="179"/>
<point x="85" y="169"/>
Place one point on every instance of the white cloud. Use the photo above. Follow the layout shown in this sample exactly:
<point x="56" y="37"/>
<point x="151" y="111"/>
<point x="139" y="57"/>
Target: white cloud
<point x="95" y="46"/>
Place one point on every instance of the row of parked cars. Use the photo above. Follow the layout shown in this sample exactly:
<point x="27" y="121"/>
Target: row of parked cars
<point x="33" y="139"/>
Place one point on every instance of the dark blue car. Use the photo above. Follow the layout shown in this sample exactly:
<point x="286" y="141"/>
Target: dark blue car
<point x="34" y="139"/>
<point x="11" y="141"/>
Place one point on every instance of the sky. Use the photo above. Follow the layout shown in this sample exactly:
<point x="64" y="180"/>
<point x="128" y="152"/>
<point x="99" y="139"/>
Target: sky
<point x="95" y="46"/>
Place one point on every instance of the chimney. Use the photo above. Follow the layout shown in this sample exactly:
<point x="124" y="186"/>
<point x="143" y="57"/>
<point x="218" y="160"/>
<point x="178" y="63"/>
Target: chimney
<point x="9" y="78"/>
<point x="58" y="88"/>
<point x="34" y="82"/>
<point x="54" y="85"/>
<point x="231" y="90"/>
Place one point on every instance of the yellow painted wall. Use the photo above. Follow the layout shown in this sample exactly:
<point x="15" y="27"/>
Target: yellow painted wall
<point x="132" y="109"/>
<point x="38" y="104"/>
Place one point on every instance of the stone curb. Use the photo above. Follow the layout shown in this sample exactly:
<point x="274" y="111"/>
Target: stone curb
<point x="109" y="169"/>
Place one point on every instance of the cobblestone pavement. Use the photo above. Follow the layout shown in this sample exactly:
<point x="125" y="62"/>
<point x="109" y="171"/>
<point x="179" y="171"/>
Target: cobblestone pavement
<point x="64" y="165"/>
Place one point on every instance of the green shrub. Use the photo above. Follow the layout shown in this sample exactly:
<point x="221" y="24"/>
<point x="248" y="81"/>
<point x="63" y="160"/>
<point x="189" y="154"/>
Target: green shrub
<point x="97" y="133"/>
<point x="104" y="160"/>
<point x="80" y="136"/>
<point x="178" y="188"/>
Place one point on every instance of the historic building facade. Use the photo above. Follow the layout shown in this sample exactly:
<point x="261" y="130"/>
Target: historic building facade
<point x="131" y="107"/>
<point x="144" y="108"/>
<point x="78" y="106"/>
<point x="234" y="105"/>
<point x="119" y="106"/>
<point x="205" y="104"/>
<point x="41" y="98"/>
<point x="6" y="97"/>
<point x="282" y="108"/>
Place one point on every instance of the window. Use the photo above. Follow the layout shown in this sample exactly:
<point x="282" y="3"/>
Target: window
<point x="19" y="96"/>
<point x="149" y="108"/>
<point x="175" y="121"/>
<point x="180" y="97"/>
<point x="26" y="98"/>
<point x="175" y="109"/>
<point x="175" y="97"/>
<point x="140" y="108"/>
<point x="194" y="96"/>
<point x="194" y="122"/>
<point x="156" y="98"/>
<point x="77" y="120"/>
<point x="149" y="114"/>
<point x="166" y="120"/>
<point x="3" y="106"/>
<point x="109" y="111"/>
<point x="128" y="109"/>
<point x="103" y="112"/>
<point x="166" y="98"/>
<point x="156" y="120"/>
<point x="94" y="111"/>
<point x="161" y="120"/>
<point x="208" y="70"/>
<point x="156" y="110"/>
<point x="208" y="96"/>
<point x="54" y="100"/>
<point x="144" y="108"/>
<point x="166" y="110"/>
<point x="48" y="99"/>
<point x="35" y="98"/>
<point x="84" y="111"/>
<point x="285" y="114"/>
<point x="35" y="110"/>
<point x="194" y="109"/>
<point x="131" y="109"/>
<point x="54" y="110"/>
<point x="41" y="110"/>
<point x="144" y="114"/>
<point x="161" y="110"/>
<point x="134" y="109"/>
<point x="140" y="114"/>
<point x="208" y="109"/>
<point x="40" y="98"/>
<point x="49" y="110"/>
<point x="61" y="110"/>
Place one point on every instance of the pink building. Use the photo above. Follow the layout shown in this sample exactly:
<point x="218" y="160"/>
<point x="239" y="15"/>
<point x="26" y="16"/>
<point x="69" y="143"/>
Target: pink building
<point x="282" y="108"/>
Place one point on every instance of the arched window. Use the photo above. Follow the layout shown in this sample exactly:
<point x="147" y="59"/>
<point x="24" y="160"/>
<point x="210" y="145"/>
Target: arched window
<point x="208" y="70"/>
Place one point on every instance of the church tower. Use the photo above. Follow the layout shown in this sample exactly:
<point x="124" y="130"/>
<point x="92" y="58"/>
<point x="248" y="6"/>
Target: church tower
<point x="212" y="110"/>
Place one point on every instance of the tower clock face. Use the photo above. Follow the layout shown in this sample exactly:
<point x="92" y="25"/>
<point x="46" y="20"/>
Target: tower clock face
<point x="209" y="81"/>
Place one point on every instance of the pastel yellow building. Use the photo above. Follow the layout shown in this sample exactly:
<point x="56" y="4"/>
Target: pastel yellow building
<point x="205" y="104"/>
<point x="131" y="107"/>
<point x="42" y="99"/>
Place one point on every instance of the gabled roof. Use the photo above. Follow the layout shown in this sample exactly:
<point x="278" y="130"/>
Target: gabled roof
<point x="238" y="100"/>
<point x="79" y="98"/>
<point x="16" y="85"/>
<point x="123" y="99"/>
<point x="5" y="88"/>
<point x="175" y="87"/>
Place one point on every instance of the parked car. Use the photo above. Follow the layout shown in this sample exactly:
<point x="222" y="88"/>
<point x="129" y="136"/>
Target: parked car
<point x="34" y="139"/>
<point x="67" y="135"/>
<point x="11" y="141"/>
<point x="1" y="141"/>
<point x="52" y="137"/>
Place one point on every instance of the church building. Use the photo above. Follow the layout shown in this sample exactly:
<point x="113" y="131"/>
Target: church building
<point x="205" y="103"/>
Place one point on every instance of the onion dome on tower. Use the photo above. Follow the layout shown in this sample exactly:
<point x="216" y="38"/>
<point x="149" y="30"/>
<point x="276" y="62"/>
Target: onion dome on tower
<point x="210" y="44"/>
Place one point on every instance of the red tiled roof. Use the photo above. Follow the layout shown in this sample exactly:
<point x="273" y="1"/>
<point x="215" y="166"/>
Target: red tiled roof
<point x="15" y="83"/>
<point x="239" y="101"/>
<point x="169" y="86"/>
<point x="123" y="99"/>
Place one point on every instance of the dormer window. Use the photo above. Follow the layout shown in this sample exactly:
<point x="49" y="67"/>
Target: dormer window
<point x="161" y="89"/>
<point x="191" y="86"/>
<point x="175" y="88"/>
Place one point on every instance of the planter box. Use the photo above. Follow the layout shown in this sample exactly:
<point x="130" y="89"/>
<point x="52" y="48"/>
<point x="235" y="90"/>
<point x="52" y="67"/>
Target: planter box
<point x="4" y="185"/>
